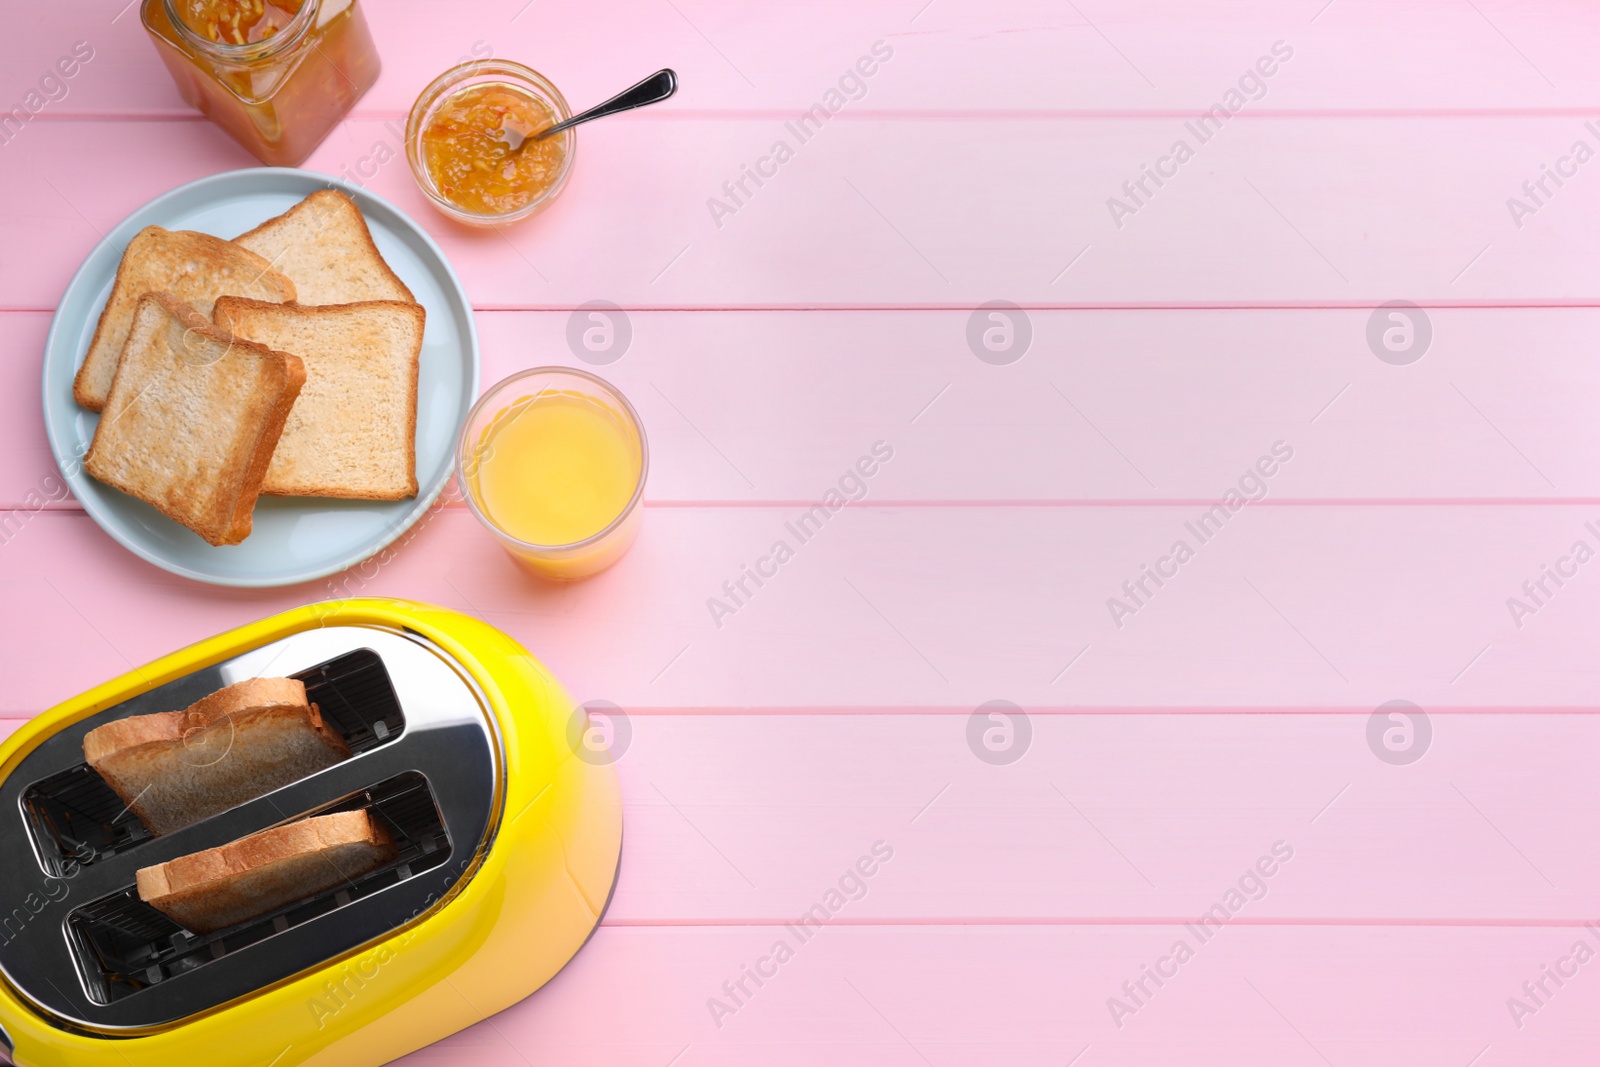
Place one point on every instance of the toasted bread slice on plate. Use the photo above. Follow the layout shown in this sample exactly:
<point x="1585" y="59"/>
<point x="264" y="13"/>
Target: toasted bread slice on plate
<point x="192" y="419"/>
<point x="323" y="244"/>
<point x="194" y="267"/>
<point x="176" y="768"/>
<point x="221" y="887"/>
<point x="353" y="430"/>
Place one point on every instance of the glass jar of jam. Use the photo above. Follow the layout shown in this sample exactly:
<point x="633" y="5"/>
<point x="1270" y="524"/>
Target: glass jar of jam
<point x="473" y="145"/>
<point x="276" y="74"/>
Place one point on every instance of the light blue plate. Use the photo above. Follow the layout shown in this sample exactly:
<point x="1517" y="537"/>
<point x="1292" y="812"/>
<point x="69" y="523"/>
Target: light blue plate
<point x="294" y="539"/>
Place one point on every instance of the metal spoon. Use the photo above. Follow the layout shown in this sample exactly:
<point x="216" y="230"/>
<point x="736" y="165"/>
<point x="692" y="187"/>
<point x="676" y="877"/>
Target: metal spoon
<point x="653" y="90"/>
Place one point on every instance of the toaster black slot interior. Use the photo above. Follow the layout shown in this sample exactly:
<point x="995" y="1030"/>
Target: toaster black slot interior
<point x="356" y="698"/>
<point x="75" y="818"/>
<point x="124" y="945"/>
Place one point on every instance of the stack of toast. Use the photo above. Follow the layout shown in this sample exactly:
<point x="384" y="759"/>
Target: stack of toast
<point x="177" y="768"/>
<point x="282" y="362"/>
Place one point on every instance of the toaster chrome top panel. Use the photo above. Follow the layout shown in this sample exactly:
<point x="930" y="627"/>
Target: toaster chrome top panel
<point x="77" y="941"/>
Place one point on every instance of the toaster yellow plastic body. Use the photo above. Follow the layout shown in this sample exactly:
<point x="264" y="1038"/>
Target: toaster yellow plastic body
<point x="535" y="893"/>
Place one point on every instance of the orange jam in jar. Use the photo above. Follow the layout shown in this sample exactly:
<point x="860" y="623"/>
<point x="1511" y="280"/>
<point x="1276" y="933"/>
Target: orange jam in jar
<point x="480" y="150"/>
<point x="277" y="75"/>
<point x="237" y="21"/>
<point x="471" y="142"/>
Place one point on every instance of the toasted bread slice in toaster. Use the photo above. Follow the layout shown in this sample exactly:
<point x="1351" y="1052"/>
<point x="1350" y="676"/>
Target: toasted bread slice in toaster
<point x="353" y="429"/>
<point x="195" y="267"/>
<point x="221" y="887"/>
<point x="175" y="768"/>
<point x="323" y="244"/>
<point x="193" y="418"/>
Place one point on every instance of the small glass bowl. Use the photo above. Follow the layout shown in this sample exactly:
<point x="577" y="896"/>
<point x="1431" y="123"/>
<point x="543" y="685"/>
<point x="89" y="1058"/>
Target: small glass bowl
<point x="580" y="559"/>
<point x="480" y="72"/>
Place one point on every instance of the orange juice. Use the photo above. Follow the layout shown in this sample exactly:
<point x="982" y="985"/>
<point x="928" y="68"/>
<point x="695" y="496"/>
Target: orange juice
<point x="553" y="467"/>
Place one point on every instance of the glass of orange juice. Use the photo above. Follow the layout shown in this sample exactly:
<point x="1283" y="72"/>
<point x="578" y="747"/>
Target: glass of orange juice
<point x="553" y="461"/>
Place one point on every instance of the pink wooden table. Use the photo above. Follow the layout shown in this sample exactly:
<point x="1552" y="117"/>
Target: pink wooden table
<point x="1172" y="752"/>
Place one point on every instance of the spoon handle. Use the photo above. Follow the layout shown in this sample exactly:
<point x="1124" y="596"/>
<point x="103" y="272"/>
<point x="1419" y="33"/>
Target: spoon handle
<point x="653" y="90"/>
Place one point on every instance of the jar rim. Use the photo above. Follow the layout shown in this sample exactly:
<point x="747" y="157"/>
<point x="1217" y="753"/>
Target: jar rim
<point x="250" y="51"/>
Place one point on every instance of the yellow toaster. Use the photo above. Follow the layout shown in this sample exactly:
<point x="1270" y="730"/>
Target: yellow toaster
<point x="508" y="827"/>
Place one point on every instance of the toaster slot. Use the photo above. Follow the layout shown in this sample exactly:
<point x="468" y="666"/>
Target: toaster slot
<point x="76" y="819"/>
<point x="124" y="945"/>
<point x="356" y="698"/>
